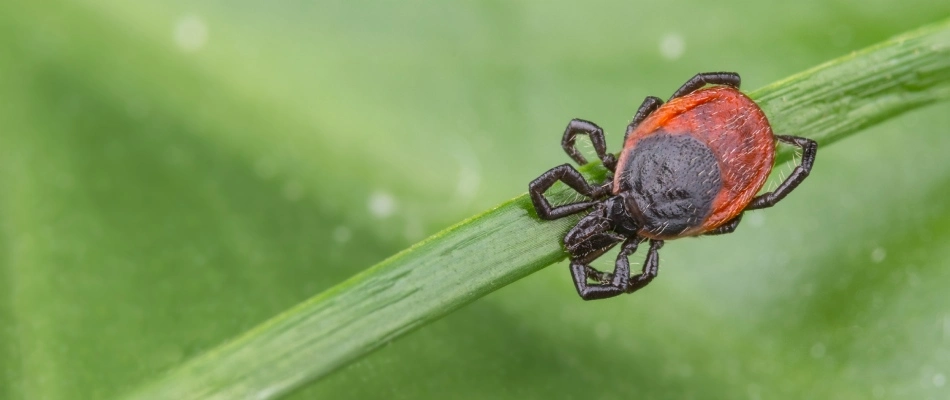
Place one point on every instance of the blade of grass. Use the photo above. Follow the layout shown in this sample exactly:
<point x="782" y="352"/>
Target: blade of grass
<point x="489" y="251"/>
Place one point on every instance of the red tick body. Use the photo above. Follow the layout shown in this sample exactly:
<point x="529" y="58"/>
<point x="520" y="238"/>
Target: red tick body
<point x="738" y="135"/>
<point x="689" y="167"/>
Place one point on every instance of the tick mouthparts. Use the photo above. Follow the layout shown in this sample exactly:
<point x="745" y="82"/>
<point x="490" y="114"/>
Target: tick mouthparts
<point x="622" y="220"/>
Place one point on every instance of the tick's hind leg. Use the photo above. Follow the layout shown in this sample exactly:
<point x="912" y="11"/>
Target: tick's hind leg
<point x="572" y="178"/>
<point x="809" y="149"/>
<point x="712" y="78"/>
<point x="728" y="227"/>
<point x="596" y="134"/>
<point x="649" y="105"/>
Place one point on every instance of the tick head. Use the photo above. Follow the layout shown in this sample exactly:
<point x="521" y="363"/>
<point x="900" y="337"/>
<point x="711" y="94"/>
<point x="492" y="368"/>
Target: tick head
<point x="623" y="214"/>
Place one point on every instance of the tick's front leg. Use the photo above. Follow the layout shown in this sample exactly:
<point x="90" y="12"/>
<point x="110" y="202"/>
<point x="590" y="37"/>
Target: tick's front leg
<point x="567" y="174"/>
<point x="610" y="284"/>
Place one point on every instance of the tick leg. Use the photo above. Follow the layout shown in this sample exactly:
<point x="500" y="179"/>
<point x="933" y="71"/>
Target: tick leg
<point x="650" y="104"/>
<point x="809" y="149"/>
<point x="599" y="276"/>
<point x="567" y="174"/>
<point x="728" y="227"/>
<point x="651" y="267"/>
<point x="711" y="78"/>
<point x="611" y="284"/>
<point x="582" y="127"/>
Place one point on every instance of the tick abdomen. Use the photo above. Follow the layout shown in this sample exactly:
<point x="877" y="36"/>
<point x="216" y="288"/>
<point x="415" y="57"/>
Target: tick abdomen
<point x="673" y="179"/>
<point x="734" y="129"/>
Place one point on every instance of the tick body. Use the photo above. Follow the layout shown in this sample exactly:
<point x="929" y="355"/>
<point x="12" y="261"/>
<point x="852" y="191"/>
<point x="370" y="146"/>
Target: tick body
<point x="689" y="167"/>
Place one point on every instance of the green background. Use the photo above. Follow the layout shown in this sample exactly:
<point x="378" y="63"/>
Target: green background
<point x="175" y="173"/>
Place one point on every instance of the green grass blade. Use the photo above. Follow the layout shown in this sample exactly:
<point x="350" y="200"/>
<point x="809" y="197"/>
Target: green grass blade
<point x="491" y="250"/>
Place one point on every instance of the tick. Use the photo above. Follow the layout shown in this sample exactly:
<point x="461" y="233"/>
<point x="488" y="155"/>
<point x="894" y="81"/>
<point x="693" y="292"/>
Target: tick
<point x="689" y="167"/>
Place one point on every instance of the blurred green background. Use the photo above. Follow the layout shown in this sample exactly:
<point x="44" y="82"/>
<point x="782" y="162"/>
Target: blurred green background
<point x="174" y="173"/>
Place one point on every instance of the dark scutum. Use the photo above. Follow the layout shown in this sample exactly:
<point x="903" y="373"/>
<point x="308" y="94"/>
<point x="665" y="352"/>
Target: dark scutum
<point x="673" y="179"/>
